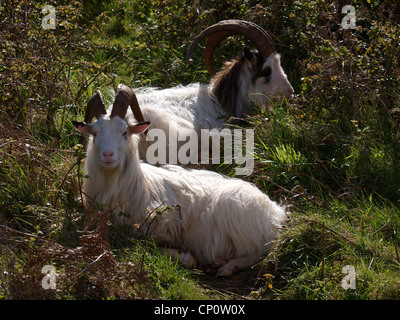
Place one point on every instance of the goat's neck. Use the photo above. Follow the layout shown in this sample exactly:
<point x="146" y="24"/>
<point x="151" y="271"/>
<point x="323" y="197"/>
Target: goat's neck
<point x="230" y="87"/>
<point x="122" y="190"/>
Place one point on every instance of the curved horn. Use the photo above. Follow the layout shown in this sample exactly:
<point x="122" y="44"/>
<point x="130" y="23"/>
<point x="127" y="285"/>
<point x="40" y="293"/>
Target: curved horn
<point x="124" y="97"/>
<point x="223" y="29"/>
<point x="95" y="107"/>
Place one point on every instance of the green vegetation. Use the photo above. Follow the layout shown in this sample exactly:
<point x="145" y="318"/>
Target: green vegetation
<point x="331" y="154"/>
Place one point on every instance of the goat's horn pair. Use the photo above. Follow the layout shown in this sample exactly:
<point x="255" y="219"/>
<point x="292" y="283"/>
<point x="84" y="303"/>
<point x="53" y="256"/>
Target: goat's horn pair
<point x="95" y="107"/>
<point x="125" y="97"/>
<point x="223" y="29"/>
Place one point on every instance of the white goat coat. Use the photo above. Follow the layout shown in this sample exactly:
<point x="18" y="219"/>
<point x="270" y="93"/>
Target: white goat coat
<point x="216" y="217"/>
<point x="189" y="107"/>
<point x="178" y="110"/>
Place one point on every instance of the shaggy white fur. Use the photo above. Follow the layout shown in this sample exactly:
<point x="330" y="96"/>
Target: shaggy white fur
<point x="197" y="106"/>
<point x="219" y="220"/>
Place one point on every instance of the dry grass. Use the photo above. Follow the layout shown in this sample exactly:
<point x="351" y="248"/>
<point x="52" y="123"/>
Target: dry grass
<point x="89" y="271"/>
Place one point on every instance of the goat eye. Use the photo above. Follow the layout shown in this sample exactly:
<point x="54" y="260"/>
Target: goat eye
<point x="266" y="72"/>
<point x="125" y="134"/>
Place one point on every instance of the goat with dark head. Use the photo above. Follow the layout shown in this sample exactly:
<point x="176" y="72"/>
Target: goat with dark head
<point x="256" y="75"/>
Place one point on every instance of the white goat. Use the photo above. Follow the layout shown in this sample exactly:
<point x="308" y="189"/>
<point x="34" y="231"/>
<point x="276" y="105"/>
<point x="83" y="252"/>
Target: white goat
<point x="219" y="220"/>
<point x="255" y="77"/>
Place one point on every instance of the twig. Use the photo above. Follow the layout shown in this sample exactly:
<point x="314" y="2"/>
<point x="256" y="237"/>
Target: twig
<point x="335" y="232"/>
<point x="12" y="248"/>
<point x="92" y="264"/>
<point x="370" y="264"/>
<point x="323" y="249"/>
<point x="68" y="78"/>
<point x="315" y="180"/>
<point x="46" y="167"/>
<point x="25" y="234"/>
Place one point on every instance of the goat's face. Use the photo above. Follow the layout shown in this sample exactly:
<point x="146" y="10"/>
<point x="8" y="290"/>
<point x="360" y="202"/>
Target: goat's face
<point x="110" y="139"/>
<point x="268" y="80"/>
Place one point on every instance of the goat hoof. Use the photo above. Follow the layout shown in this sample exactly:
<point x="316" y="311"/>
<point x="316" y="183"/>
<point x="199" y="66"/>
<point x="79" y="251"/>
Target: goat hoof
<point x="188" y="261"/>
<point x="224" y="272"/>
<point x="218" y="263"/>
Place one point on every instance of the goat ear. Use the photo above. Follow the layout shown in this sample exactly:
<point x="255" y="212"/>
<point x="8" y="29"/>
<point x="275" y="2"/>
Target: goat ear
<point x="248" y="54"/>
<point x="139" y="128"/>
<point x="83" y="127"/>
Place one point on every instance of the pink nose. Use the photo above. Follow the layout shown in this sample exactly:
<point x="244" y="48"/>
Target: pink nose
<point x="108" y="154"/>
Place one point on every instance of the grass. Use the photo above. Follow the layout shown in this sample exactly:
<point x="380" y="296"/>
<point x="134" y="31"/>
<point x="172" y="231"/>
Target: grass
<point x="168" y="279"/>
<point x="331" y="154"/>
<point x="324" y="241"/>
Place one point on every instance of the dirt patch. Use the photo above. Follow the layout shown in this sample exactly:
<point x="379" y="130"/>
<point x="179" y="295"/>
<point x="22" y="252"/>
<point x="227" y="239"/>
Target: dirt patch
<point x="238" y="286"/>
